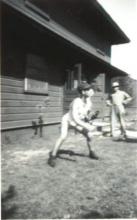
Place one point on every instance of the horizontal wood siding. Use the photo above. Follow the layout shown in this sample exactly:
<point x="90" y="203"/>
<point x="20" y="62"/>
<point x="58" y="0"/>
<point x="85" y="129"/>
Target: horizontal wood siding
<point x="19" y="109"/>
<point x="27" y="103"/>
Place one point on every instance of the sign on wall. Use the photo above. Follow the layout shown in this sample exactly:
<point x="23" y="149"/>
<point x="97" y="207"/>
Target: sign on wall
<point x="35" y="86"/>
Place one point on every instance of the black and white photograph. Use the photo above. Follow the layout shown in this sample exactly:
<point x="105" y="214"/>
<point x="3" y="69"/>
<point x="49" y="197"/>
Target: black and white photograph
<point x="68" y="109"/>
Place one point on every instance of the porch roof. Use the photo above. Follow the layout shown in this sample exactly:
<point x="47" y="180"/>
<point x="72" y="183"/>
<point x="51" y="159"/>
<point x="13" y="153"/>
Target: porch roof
<point x="65" y="35"/>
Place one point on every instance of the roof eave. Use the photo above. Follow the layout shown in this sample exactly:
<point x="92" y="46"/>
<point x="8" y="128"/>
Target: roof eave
<point x="123" y="37"/>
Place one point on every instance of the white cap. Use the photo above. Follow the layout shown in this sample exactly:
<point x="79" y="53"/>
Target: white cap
<point x="115" y="84"/>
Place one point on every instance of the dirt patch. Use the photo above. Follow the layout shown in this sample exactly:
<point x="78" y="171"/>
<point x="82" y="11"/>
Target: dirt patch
<point x="78" y="187"/>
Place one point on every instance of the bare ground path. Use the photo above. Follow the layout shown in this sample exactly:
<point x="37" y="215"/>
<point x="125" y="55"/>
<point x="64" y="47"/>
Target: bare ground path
<point x="78" y="187"/>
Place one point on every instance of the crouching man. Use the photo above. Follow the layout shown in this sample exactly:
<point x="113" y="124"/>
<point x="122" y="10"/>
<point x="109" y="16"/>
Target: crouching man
<point x="77" y="118"/>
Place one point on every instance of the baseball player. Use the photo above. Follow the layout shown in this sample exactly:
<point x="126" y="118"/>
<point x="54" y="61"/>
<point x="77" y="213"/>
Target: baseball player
<point x="77" y="117"/>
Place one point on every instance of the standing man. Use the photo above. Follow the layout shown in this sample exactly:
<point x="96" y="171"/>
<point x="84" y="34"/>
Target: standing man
<point x="76" y="117"/>
<point x="117" y="101"/>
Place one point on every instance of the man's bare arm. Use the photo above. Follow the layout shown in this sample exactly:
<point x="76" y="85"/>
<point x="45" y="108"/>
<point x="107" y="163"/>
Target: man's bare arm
<point x="76" y="118"/>
<point x="128" y="98"/>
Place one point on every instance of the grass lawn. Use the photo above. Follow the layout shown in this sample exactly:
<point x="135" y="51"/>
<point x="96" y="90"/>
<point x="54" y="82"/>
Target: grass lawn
<point x="78" y="187"/>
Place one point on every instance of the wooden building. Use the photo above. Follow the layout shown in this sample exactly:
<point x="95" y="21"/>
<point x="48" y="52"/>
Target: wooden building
<point x="48" y="47"/>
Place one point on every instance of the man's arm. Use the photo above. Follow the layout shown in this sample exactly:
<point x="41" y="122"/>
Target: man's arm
<point x="75" y="115"/>
<point x="127" y="99"/>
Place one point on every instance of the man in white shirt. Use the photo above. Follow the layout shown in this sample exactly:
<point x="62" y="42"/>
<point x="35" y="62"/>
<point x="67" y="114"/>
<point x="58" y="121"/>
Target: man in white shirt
<point x="117" y="101"/>
<point x="77" y="117"/>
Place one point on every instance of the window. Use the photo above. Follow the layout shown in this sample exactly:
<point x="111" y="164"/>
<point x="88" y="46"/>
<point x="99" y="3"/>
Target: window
<point x="73" y="77"/>
<point x="36" y="75"/>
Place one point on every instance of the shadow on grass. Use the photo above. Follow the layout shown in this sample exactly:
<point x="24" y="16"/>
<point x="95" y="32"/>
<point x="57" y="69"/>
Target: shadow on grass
<point x="65" y="158"/>
<point x="71" y="153"/>
<point x="7" y="213"/>
<point x="97" y="215"/>
<point x="128" y="140"/>
<point x="8" y="209"/>
<point x="131" y="140"/>
<point x="62" y="153"/>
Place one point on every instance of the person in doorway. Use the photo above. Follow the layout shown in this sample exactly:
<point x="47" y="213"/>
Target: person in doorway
<point x="77" y="117"/>
<point x="117" y="101"/>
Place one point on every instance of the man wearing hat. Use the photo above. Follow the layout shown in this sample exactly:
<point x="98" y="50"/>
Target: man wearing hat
<point x="117" y="101"/>
<point x="76" y="117"/>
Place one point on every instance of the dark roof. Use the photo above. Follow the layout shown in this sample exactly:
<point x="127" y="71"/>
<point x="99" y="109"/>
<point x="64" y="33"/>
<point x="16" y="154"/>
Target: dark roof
<point x="119" y="36"/>
<point x="89" y="12"/>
